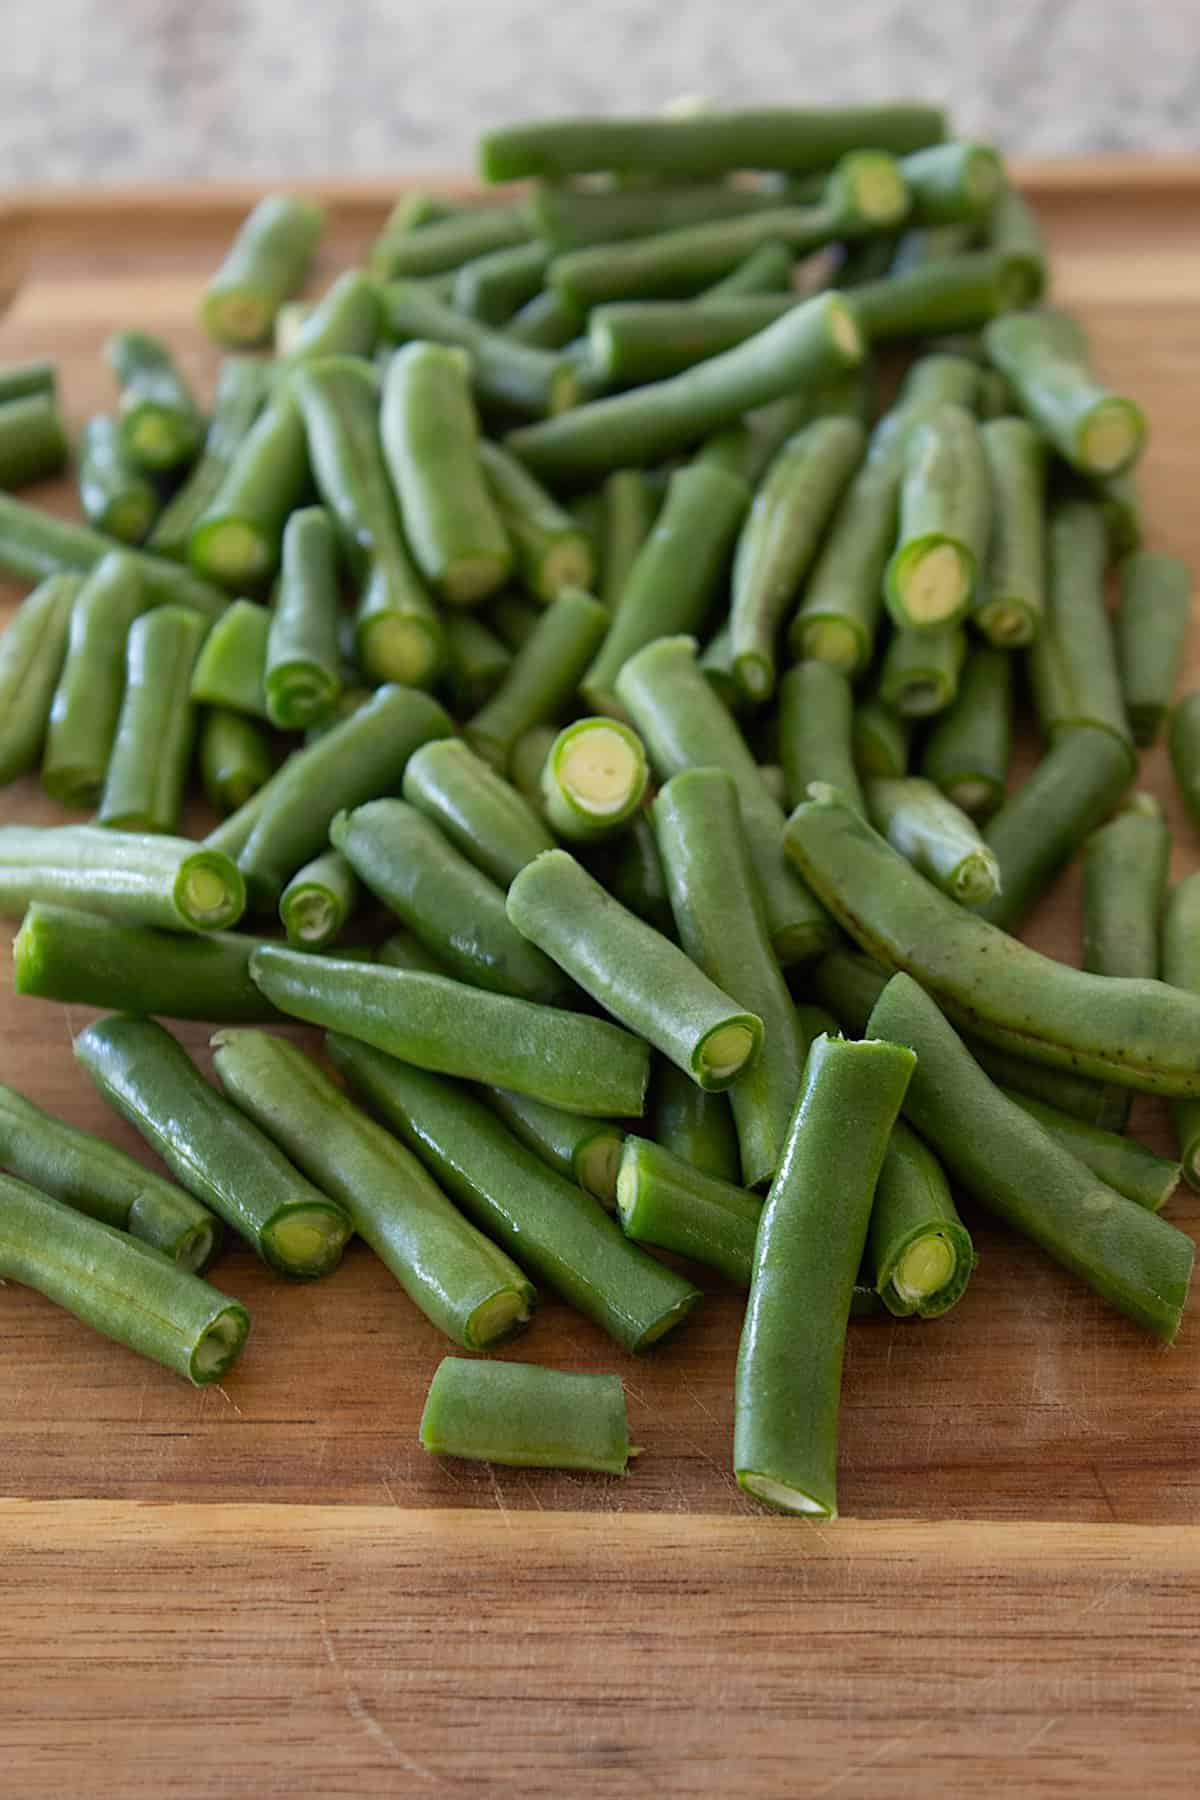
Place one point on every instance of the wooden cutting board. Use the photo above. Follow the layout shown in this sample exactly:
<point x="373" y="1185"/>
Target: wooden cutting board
<point x="266" y="1587"/>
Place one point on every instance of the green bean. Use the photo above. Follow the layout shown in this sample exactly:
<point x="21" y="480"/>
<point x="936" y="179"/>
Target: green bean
<point x="816" y="708"/>
<point x="480" y="814"/>
<point x="33" y="649"/>
<point x="1011" y="597"/>
<point x="544" y="675"/>
<point x="461" y="1281"/>
<point x="236" y="539"/>
<point x="943" y="294"/>
<point x="1138" y="1034"/>
<point x="1124" y="884"/>
<point x="527" y="1417"/>
<point x="1151" y="628"/>
<point x="506" y="374"/>
<point x="362" y="756"/>
<point x="235" y="759"/>
<point x="491" y="287"/>
<point x="996" y="397"/>
<point x="594" y="779"/>
<point x="635" y="341"/>
<point x="638" y="975"/>
<point x="547" y="322"/>
<point x="1094" y="429"/>
<point x="1183" y="742"/>
<point x="156" y="731"/>
<point x="843" y="595"/>
<point x="264" y="266"/>
<point x="952" y="182"/>
<point x="813" y="340"/>
<point x="565" y="1237"/>
<point x="82" y="958"/>
<point x="719" y="915"/>
<point x="345" y="322"/>
<point x="160" y="423"/>
<point x="209" y="1146"/>
<point x="134" y="876"/>
<point x="114" y="494"/>
<point x="1120" y="1162"/>
<point x="933" y="835"/>
<point x="1073" y="664"/>
<point x="397" y="634"/>
<point x="628" y="507"/>
<point x="317" y="901"/>
<point x="527" y="761"/>
<point x="35" y="544"/>
<point x="575" y="218"/>
<point x="693" y="1124"/>
<point x="552" y="552"/>
<point x="683" y="725"/>
<point x="230" y="670"/>
<point x="1181" y="967"/>
<point x="940" y="378"/>
<point x="121" y="1287"/>
<point x="430" y="441"/>
<point x="1007" y="1162"/>
<point x="879" y="740"/>
<point x="586" y="1151"/>
<point x="87" y="699"/>
<point x="921" y="670"/>
<point x="704" y="143"/>
<point x="1014" y="235"/>
<point x="666" y="1202"/>
<point x="919" y="1253"/>
<point x="767" y="270"/>
<point x="635" y="877"/>
<point x="1122" y="509"/>
<point x="966" y="754"/>
<point x="19" y="380"/>
<point x="808" y="1249"/>
<point x="680" y="566"/>
<point x="241" y="391"/>
<point x="945" y="513"/>
<point x="476" y="660"/>
<point x="301" y="677"/>
<point x="444" y="244"/>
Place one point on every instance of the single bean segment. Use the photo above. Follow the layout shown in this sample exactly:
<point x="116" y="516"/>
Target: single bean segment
<point x="507" y="375"/>
<point x="1124" y="886"/>
<point x="594" y="779"/>
<point x="317" y="902"/>
<point x="694" y="1124"/>
<point x="87" y="698"/>
<point x="1122" y="1163"/>
<point x="480" y="813"/>
<point x="265" y="265"/>
<point x="935" y="836"/>
<point x="544" y="675"/>
<point x="919" y="1252"/>
<point x="816" y="709"/>
<point x="1097" y="431"/>
<point x="231" y="668"/>
<point x="115" y="495"/>
<point x="160" y="424"/>
<point x="585" y="1150"/>
<point x="1073" y="662"/>
<point x="138" y="877"/>
<point x="156" y="729"/>
<point x="1010" y="599"/>
<point x="668" y="1203"/>
<point x="552" y="552"/>
<point x="236" y="539"/>
<point x="33" y="649"/>
<point x="921" y="670"/>
<point x="527" y="1417"/>
<point x="966" y="754"/>
<point x="945" y="521"/>
<point x="1181" y="967"/>
<point x="1151" y="628"/>
<point x="242" y="384"/>
<point x="302" y="669"/>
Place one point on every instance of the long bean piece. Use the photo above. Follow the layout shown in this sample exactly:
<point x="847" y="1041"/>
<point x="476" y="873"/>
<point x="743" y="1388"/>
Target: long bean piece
<point x="480" y="813"/>
<point x="87" y="699"/>
<point x="235" y="540"/>
<point x="544" y="675"/>
<point x="156" y="730"/>
<point x="1151" y="627"/>
<point x="301" y="676"/>
<point x="1121" y="1162"/>
<point x="1010" y="600"/>
<point x="1124" y="885"/>
<point x="669" y="1204"/>
<point x="507" y="375"/>
<point x="585" y="1150"/>
<point x="138" y="877"/>
<point x="35" y="544"/>
<point x="241" y="392"/>
<point x="1073" y="663"/>
<point x="33" y="649"/>
<point x="552" y="551"/>
<point x="966" y="754"/>
<point x="1097" y="431"/>
<point x="816" y="708"/>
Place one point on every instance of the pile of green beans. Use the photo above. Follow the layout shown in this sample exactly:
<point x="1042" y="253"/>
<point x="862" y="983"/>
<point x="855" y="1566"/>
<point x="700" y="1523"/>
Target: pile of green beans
<point x="593" y="684"/>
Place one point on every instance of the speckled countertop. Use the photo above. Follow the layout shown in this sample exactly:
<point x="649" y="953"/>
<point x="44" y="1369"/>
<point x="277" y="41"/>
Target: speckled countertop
<point x="186" y="90"/>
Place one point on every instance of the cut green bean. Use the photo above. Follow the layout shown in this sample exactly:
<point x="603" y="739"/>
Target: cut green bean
<point x="133" y="876"/>
<point x="1004" y="1160"/>
<point x="264" y="266"/>
<point x="1183" y="742"/>
<point x="1097" y="431"/>
<point x="362" y="756"/>
<point x="1120" y="1162"/>
<point x="879" y="739"/>
<point x="241" y="391"/>
<point x="480" y="813"/>
<point x="936" y="837"/>
<point x="160" y="423"/>
<point x="942" y="294"/>
<point x="317" y="901"/>
<point x="527" y="761"/>
<point x="966" y="754"/>
<point x="1014" y="235"/>
<point x="441" y="245"/>
<point x="719" y="915"/>
<point x="594" y="779"/>
<point x="114" y="494"/>
<point x="156" y="730"/>
<point x="816" y="707"/>
<point x="1181" y="967"/>
<point x="767" y="270"/>
<point x="476" y="660"/>
<point x="842" y="599"/>
<point x="919" y="1254"/>
<point x="575" y="218"/>
<point x="809" y="1246"/>
<point x="1124" y="885"/>
<point x="638" y="975"/>
<point x="33" y="649"/>
<point x="552" y="552"/>
<point x="301" y="677"/>
<point x="921" y="670"/>
<point x="684" y="725"/>
<point x="812" y="341"/>
<point x="235" y="759"/>
<point x="945" y="519"/>
<point x="123" y="1288"/>
<point x="461" y="1281"/>
<point x="506" y="374"/>
<point x="345" y="322"/>
<point x="1010" y="600"/>
<point x="544" y="675"/>
<point x="547" y="322"/>
<point x="19" y="380"/>
<point x="666" y="1202"/>
<point x="634" y="876"/>
<point x="587" y="1151"/>
<point x="230" y="670"/>
<point x="563" y="1236"/>
<point x="1151" y="629"/>
<point x="940" y="378"/>
<point x="527" y="1417"/>
<point x="236" y="539"/>
<point x="628" y="507"/>
<point x="1137" y="1034"/>
<point x="693" y="1124"/>
<point x="1121" y="505"/>
<point x="492" y="286"/>
<point x="87" y="700"/>
<point x="952" y="182"/>
<point x="635" y="341"/>
<point x="1073" y="661"/>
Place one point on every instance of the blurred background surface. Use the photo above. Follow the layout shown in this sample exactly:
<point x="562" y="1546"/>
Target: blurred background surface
<point x="115" y="91"/>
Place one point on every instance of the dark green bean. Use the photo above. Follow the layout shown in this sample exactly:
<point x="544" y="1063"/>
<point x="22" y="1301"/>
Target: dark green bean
<point x="506" y="374"/>
<point x="921" y="670"/>
<point x="544" y="675"/>
<point x="628" y="508"/>
<point x="1010" y="600"/>
<point x="952" y="182"/>
<point x="919" y="1253"/>
<point x="492" y="286"/>
<point x="235" y="759"/>
<point x="87" y="700"/>
<point x="1151" y="628"/>
<point x="1014" y="235"/>
<point x="945" y="520"/>
<point x="1073" y="662"/>
<point x="476" y="661"/>
<point x="19" y="380"/>
<point x="879" y="739"/>
<point x="1124" y="885"/>
<point x="942" y="294"/>
<point x="156" y="730"/>
<point x="301" y="671"/>
<point x="1183" y="742"/>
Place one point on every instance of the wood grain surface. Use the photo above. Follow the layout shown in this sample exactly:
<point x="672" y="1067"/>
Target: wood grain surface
<point x="390" y="1624"/>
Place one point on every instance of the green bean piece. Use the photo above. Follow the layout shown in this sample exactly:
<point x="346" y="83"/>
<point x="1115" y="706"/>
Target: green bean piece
<point x="138" y="877"/>
<point x="242" y="384"/>
<point x="82" y="958"/>
<point x="919" y="1253"/>
<point x="552" y="552"/>
<point x="461" y="1281"/>
<point x="935" y="836"/>
<point x="445" y="244"/>
<point x="403" y="951"/>
<point x="945" y="517"/>
<point x="594" y="779"/>
<point x="966" y="754"/>
<point x="574" y="218"/>
<point x="1120" y="1162"/>
<point x="816" y="709"/>
<point x="211" y="1148"/>
<point x="665" y="1202"/>
<point x="19" y="380"/>
<point x="587" y="1151"/>
<point x="1183" y="742"/>
<point x="813" y="340"/>
<point x="1004" y="1160"/>
<point x="1137" y="1034"/>
<point x="115" y="495"/>
<point x="87" y="698"/>
<point x="506" y="374"/>
<point x="767" y="270"/>
<point x="544" y="675"/>
<point x="236" y="540"/>
<point x="527" y="761"/>
<point x="476" y="661"/>
<point x="235" y="759"/>
<point x="636" y="341"/>
<point x="156" y="730"/>
<point x="684" y="725"/>
<point x="123" y="1288"/>
<point x="996" y="397"/>
<point x="231" y="668"/>
<point x="491" y="287"/>
<point x="479" y="813"/>
<point x="921" y="670"/>
<point x="634" y="876"/>
<point x="1073" y="663"/>
<point x="719" y="915"/>
<point x="638" y="975"/>
<point x="1011" y="597"/>
<point x="160" y="423"/>
<point x="863" y="259"/>
<point x="1124" y="885"/>
<point x="346" y="322"/>
<point x="808" y="1249"/>
<point x="398" y="637"/>
<point x="402" y="857"/>
<point x="940" y="378"/>
<point x="1122" y="509"/>
<point x="301" y="674"/>
<point x="33" y="649"/>
<point x="547" y="322"/>
<point x="942" y="294"/>
<point x="362" y="756"/>
<point x="1151" y="629"/>
<point x="842" y="598"/>
<point x="951" y="182"/>
<point x="693" y="1124"/>
<point x="628" y="508"/>
<point x="1181" y="967"/>
<point x="35" y="544"/>
<point x="1097" y="431"/>
<point x="317" y="901"/>
<point x="704" y="143"/>
<point x="264" y="266"/>
<point x="527" y="1417"/>
<point x="565" y="1237"/>
<point x="682" y="564"/>
<point x="879" y="741"/>
<point x="1014" y="235"/>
